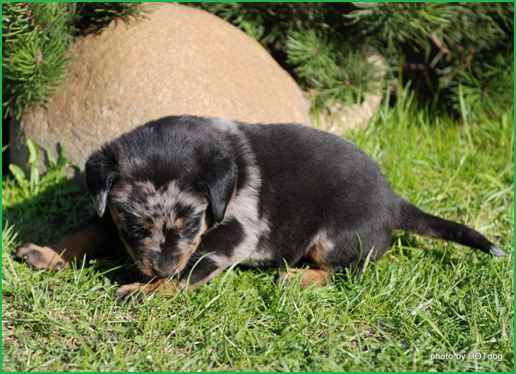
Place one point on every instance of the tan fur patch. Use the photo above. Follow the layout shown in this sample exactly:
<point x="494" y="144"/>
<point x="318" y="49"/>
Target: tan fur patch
<point x="114" y="215"/>
<point x="187" y="248"/>
<point x="317" y="277"/>
<point x="146" y="224"/>
<point x="41" y="257"/>
<point x="179" y="222"/>
<point x="318" y="254"/>
<point x="319" y="248"/>
<point x="183" y="259"/>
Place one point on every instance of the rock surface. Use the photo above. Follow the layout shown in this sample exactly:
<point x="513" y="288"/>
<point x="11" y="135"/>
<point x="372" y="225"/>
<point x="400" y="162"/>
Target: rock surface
<point x="181" y="60"/>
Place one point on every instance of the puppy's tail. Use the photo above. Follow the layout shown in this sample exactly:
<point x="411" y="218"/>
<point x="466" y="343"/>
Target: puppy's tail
<point x="413" y="219"/>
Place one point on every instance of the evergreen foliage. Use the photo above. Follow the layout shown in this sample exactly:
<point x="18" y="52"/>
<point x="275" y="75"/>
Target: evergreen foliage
<point x="35" y="40"/>
<point x="441" y="47"/>
<point x="449" y="51"/>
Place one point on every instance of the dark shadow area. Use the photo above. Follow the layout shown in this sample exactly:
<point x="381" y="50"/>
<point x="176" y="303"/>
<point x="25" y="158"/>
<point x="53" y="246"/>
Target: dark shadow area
<point x="49" y="215"/>
<point x="6" y="160"/>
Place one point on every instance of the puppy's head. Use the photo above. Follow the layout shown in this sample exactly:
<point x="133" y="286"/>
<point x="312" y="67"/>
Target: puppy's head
<point x="161" y="207"/>
<point x="160" y="227"/>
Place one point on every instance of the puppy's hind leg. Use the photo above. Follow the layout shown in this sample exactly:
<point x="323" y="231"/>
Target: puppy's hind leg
<point x="308" y="276"/>
<point x="96" y="236"/>
<point x="318" y="275"/>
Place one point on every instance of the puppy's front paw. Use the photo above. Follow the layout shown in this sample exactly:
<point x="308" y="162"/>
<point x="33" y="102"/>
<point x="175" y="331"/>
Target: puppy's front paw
<point x="131" y="292"/>
<point x="138" y="291"/>
<point x="41" y="257"/>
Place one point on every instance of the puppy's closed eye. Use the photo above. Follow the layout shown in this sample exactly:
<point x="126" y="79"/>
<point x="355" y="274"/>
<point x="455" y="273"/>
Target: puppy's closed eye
<point x="189" y="228"/>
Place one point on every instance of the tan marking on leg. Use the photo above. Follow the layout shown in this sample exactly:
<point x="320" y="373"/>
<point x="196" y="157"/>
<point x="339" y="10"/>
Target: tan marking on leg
<point x="73" y="247"/>
<point x="317" y="277"/>
<point x="318" y="254"/>
<point x="41" y="257"/>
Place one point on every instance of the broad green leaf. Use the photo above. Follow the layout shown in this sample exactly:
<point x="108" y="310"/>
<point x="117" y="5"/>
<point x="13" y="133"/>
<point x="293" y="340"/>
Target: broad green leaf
<point x="33" y="151"/>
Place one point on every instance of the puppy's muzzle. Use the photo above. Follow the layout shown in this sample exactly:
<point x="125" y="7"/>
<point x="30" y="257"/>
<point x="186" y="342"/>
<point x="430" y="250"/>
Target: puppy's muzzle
<point x="163" y="273"/>
<point x="160" y="267"/>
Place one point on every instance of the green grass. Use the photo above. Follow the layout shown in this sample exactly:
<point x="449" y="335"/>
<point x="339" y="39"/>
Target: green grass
<point x="425" y="297"/>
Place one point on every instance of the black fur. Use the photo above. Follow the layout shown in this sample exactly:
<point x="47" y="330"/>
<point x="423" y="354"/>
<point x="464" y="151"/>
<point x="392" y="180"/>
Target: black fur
<point x="101" y="172"/>
<point x="217" y="180"/>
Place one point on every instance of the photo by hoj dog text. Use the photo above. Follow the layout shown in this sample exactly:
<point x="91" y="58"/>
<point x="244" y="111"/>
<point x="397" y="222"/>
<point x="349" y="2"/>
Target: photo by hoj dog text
<point x="190" y="196"/>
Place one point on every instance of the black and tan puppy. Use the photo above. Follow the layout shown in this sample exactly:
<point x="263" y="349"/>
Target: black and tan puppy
<point x="180" y="188"/>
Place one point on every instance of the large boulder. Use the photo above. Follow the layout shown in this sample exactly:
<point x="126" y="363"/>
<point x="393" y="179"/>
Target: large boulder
<point x="180" y="60"/>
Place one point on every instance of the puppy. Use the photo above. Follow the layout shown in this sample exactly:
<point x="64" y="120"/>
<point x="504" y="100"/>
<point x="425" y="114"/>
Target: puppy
<point x="190" y="196"/>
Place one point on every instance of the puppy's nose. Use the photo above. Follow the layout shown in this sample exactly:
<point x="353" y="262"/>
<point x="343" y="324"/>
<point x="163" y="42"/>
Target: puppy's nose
<point x="163" y="273"/>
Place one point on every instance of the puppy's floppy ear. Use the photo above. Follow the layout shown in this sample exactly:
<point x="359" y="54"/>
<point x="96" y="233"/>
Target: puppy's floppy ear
<point x="217" y="180"/>
<point x="101" y="172"/>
